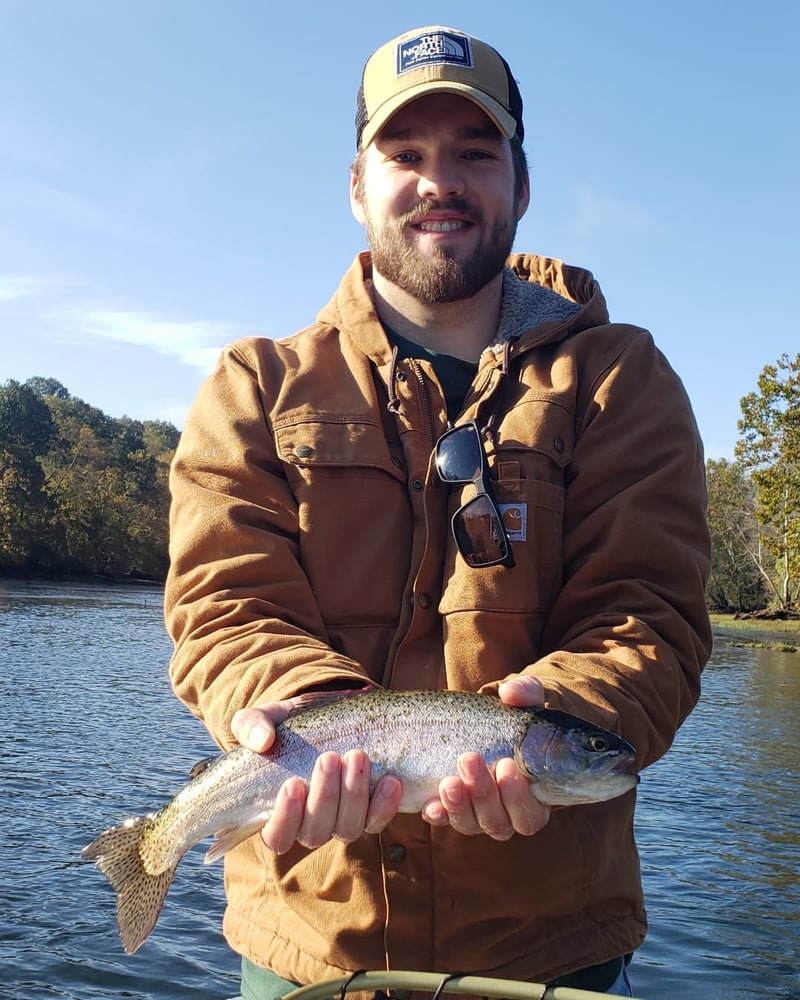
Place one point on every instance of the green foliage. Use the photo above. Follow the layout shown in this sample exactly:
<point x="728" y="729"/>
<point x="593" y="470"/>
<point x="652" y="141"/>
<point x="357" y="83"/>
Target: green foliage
<point x="769" y="453"/>
<point x="80" y="492"/>
<point x="26" y="435"/>
<point x="735" y="583"/>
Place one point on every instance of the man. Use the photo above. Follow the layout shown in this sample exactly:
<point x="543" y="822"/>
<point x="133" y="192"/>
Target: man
<point x="316" y="546"/>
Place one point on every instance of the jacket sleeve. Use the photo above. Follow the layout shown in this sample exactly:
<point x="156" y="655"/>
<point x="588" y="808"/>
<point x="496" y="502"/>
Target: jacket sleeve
<point x="628" y="634"/>
<point x="241" y="612"/>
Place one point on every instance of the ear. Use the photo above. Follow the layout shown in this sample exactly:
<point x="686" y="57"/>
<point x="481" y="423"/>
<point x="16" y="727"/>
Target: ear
<point x="524" y="196"/>
<point x="356" y="206"/>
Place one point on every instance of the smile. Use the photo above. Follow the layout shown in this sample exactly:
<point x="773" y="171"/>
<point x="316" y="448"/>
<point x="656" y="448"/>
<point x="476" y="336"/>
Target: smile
<point x="442" y="227"/>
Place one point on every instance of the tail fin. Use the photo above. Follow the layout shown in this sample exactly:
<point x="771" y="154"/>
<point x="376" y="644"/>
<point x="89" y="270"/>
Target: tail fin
<point x="140" y="895"/>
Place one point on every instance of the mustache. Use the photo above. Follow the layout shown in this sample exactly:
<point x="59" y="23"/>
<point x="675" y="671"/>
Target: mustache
<point x="425" y="208"/>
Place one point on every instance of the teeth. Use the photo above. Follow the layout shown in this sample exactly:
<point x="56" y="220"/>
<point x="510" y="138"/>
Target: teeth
<point x="441" y="227"/>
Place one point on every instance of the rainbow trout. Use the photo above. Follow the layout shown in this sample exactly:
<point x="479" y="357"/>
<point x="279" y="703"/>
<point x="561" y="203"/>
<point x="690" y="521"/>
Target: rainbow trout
<point x="416" y="735"/>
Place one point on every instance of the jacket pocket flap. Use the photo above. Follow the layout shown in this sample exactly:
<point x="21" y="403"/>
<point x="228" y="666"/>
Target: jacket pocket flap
<point x="344" y="443"/>
<point x="538" y="425"/>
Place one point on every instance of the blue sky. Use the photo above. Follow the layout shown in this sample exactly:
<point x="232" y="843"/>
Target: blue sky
<point x="173" y="175"/>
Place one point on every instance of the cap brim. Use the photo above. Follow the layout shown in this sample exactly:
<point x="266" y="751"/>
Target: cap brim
<point x="493" y="109"/>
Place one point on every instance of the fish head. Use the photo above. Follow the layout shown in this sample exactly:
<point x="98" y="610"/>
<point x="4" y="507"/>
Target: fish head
<point x="569" y="761"/>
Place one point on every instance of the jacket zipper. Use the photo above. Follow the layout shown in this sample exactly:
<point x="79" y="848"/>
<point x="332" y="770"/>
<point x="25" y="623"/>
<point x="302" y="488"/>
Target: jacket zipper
<point x="426" y="402"/>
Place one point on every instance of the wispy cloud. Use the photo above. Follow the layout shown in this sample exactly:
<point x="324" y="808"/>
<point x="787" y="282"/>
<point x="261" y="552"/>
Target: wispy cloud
<point x="20" y="286"/>
<point x="195" y="343"/>
<point x="602" y="213"/>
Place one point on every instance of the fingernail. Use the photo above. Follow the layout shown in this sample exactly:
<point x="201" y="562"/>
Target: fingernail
<point x="387" y="788"/>
<point x="294" y="789"/>
<point x="469" y="766"/>
<point x="453" y="793"/>
<point x="434" y="813"/>
<point x="355" y="761"/>
<point x="330" y="764"/>
<point x="258" y="735"/>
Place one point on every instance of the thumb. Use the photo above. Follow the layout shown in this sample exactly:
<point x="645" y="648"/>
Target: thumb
<point x="522" y="691"/>
<point x="254" y="729"/>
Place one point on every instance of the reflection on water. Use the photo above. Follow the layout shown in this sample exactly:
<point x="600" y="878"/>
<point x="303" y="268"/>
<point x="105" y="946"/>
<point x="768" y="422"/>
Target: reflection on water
<point x="92" y="733"/>
<point x="719" y="835"/>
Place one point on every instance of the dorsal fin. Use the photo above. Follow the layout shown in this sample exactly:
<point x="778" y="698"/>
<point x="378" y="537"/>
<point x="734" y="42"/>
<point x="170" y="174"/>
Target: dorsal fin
<point x="314" y="699"/>
<point x="201" y="766"/>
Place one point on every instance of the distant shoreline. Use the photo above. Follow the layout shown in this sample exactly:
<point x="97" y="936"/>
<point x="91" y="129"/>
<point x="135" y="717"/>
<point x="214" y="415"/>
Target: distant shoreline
<point x="757" y="633"/>
<point x="26" y="576"/>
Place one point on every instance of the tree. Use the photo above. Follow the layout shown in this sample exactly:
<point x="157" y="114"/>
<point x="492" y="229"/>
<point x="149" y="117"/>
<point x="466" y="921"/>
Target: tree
<point x="769" y="450"/>
<point x="47" y="387"/>
<point x="26" y="434"/>
<point x="735" y="582"/>
<point x="110" y="490"/>
<point x="80" y="492"/>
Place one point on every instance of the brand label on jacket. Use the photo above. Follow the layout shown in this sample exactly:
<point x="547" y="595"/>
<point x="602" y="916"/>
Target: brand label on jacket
<point x="515" y="520"/>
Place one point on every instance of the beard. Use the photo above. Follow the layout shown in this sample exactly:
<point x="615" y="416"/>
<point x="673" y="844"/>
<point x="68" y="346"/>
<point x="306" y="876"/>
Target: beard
<point x="437" y="277"/>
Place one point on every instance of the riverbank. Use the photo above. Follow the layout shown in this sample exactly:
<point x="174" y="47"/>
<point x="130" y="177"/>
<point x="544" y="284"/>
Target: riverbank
<point x="757" y="633"/>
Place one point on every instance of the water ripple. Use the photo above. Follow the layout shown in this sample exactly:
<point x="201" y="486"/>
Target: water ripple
<point x="93" y="733"/>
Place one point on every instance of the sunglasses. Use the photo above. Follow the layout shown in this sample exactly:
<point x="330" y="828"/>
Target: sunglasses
<point x="477" y="526"/>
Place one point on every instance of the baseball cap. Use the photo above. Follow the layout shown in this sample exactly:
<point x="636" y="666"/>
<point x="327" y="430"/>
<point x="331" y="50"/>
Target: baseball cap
<point x="434" y="60"/>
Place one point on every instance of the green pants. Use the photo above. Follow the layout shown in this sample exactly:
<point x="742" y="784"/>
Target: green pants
<point x="261" y="984"/>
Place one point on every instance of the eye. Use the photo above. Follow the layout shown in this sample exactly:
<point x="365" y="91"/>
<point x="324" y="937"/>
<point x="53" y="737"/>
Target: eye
<point x="598" y="742"/>
<point x="405" y="157"/>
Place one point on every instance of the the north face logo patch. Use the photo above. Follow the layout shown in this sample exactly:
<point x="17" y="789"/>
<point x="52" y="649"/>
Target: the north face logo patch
<point x="434" y="47"/>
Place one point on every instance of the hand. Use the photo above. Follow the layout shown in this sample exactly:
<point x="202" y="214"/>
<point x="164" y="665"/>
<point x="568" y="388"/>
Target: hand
<point x="336" y="802"/>
<point x="499" y="801"/>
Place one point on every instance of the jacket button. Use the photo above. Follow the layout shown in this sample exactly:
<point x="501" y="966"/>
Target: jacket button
<point x="418" y="484"/>
<point x="424" y="600"/>
<point x="303" y="451"/>
<point x="396" y="853"/>
<point x="558" y="444"/>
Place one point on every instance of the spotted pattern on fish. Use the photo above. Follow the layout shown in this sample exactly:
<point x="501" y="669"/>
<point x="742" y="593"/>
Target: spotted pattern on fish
<point x="416" y="735"/>
<point x="140" y="893"/>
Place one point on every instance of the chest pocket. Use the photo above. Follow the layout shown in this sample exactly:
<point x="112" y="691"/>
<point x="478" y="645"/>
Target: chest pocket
<point x="353" y="514"/>
<point x="307" y="445"/>
<point x="538" y="433"/>
<point x="534" y="445"/>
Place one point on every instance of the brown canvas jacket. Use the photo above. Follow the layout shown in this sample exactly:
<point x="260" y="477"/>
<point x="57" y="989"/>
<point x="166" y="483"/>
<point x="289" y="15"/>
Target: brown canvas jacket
<point x="310" y="544"/>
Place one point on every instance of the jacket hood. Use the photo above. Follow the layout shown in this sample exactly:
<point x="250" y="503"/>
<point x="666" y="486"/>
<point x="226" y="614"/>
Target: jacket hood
<point x="544" y="300"/>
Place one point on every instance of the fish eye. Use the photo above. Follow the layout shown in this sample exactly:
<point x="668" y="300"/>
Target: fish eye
<point x="598" y="742"/>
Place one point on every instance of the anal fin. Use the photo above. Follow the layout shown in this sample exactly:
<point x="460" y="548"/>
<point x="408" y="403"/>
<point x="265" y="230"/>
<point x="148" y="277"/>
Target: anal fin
<point x="225" y="840"/>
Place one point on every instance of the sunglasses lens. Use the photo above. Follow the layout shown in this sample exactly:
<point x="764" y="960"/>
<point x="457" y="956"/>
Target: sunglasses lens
<point x="459" y="457"/>
<point x="479" y="533"/>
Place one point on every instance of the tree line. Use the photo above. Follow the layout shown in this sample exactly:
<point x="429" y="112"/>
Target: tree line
<point x="754" y="500"/>
<point x="82" y="493"/>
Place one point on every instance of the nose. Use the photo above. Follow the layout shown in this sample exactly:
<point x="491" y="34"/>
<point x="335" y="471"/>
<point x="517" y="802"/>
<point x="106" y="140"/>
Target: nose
<point x="440" y="178"/>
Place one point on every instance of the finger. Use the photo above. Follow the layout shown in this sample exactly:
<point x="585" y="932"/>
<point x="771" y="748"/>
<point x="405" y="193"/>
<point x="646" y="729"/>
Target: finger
<point x="354" y="799"/>
<point x="322" y="802"/>
<point x="434" y="812"/>
<point x="526" y="813"/>
<point x="383" y="804"/>
<point x="254" y="729"/>
<point x="280" y="832"/>
<point x="483" y="794"/>
<point x="458" y="806"/>
<point x="522" y="691"/>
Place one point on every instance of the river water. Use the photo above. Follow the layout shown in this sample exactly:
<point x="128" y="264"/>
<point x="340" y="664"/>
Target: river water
<point x="91" y="733"/>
